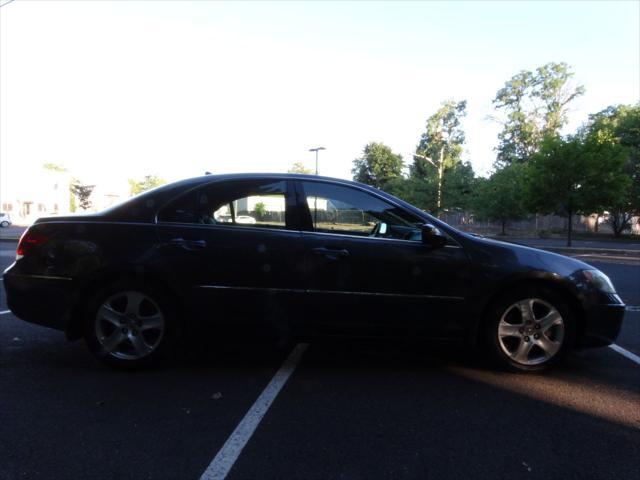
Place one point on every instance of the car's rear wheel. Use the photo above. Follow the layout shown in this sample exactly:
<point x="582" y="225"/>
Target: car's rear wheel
<point x="130" y="325"/>
<point x="529" y="329"/>
<point x="4" y="224"/>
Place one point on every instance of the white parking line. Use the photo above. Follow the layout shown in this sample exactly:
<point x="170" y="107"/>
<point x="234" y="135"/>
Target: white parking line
<point x="230" y="451"/>
<point x="625" y="353"/>
<point x="5" y="311"/>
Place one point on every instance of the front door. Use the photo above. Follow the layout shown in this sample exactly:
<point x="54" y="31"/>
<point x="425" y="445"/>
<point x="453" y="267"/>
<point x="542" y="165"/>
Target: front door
<point x="368" y="270"/>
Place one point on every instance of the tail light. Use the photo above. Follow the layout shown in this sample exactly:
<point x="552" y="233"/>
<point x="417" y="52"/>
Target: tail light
<point x="29" y="239"/>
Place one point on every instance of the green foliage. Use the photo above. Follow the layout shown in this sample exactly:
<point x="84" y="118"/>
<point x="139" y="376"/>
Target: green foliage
<point x="418" y="192"/>
<point x="501" y="197"/>
<point x="377" y="165"/>
<point x="147" y="183"/>
<point x="620" y="125"/>
<point x="299" y="167"/>
<point x="440" y="148"/>
<point x="72" y="200"/>
<point x="458" y="187"/>
<point x="551" y="87"/>
<point x="535" y="105"/>
<point x="575" y="175"/>
<point x="438" y="179"/>
<point x="53" y="167"/>
<point x="261" y="210"/>
<point x="81" y="192"/>
<point x="442" y="139"/>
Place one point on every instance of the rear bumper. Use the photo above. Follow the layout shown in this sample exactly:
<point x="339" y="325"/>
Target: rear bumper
<point x="39" y="299"/>
<point x="602" y="325"/>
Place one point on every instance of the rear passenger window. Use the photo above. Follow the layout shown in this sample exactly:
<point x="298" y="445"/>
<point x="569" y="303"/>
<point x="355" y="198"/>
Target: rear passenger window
<point x="236" y="203"/>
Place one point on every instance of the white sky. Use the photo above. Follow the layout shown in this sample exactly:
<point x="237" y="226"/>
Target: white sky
<point x="119" y="89"/>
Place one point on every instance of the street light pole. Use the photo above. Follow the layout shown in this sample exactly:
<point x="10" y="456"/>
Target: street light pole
<point x="317" y="149"/>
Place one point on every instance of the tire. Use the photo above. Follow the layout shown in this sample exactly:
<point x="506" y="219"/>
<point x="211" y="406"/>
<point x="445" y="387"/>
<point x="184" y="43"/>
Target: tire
<point x="4" y="224"/>
<point x="529" y="329"/>
<point x="130" y="325"/>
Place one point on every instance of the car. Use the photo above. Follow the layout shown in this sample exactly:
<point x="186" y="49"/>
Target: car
<point x="342" y="258"/>
<point x="245" y="219"/>
<point x="5" y="220"/>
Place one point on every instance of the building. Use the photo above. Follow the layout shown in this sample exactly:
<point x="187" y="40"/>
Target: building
<point x="43" y="193"/>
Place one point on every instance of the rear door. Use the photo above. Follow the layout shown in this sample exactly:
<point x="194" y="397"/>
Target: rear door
<point x="368" y="270"/>
<point x="234" y="250"/>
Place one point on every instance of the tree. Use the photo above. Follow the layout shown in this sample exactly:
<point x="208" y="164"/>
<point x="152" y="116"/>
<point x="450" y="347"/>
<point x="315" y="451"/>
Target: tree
<point x="377" y="165"/>
<point x="519" y="136"/>
<point x="440" y="145"/>
<point x="458" y="187"/>
<point x="501" y="197"/>
<point x="609" y="179"/>
<point x="261" y="210"/>
<point x="575" y="175"/>
<point x="299" y="167"/>
<point x="147" y="183"/>
<point x="620" y="125"/>
<point x="416" y="191"/>
<point x="82" y="192"/>
<point x="53" y="167"/>
<point x="535" y="105"/>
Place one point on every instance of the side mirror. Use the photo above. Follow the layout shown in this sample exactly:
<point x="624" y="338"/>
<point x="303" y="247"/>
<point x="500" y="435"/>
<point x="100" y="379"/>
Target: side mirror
<point x="432" y="236"/>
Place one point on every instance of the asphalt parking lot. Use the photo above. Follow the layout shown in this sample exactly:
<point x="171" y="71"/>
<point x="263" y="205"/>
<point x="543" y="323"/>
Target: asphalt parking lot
<point x="348" y="410"/>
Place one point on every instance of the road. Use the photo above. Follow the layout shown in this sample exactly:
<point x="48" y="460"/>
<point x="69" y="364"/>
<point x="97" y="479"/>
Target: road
<point x="349" y="410"/>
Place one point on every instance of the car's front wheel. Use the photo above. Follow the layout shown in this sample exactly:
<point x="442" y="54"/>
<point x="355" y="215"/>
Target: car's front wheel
<point x="4" y="224"/>
<point x="529" y="329"/>
<point x="130" y="325"/>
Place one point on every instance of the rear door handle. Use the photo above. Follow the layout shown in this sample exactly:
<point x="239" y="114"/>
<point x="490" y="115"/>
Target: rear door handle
<point x="188" y="244"/>
<point x="330" y="252"/>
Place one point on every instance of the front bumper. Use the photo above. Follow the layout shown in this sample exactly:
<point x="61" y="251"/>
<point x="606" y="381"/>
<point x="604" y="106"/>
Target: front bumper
<point x="603" y="323"/>
<point x="42" y="300"/>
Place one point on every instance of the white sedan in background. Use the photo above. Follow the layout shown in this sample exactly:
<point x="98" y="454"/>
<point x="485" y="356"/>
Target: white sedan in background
<point x="245" y="219"/>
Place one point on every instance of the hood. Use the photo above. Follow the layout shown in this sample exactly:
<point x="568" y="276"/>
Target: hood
<point x="515" y="257"/>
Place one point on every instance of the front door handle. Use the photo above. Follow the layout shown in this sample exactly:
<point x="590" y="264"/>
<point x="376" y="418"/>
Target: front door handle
<point x="331" y="253"/>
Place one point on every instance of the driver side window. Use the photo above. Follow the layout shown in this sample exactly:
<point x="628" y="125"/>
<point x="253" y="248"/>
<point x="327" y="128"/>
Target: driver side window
<point x="342" y="210"/>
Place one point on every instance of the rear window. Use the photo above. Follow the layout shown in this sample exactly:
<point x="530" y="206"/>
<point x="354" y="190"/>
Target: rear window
<point x="240" y="203"/>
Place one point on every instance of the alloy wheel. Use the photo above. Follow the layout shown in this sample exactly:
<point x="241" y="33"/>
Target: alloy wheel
<point x="129" y="325"/>
<point x="531" y="331"/>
